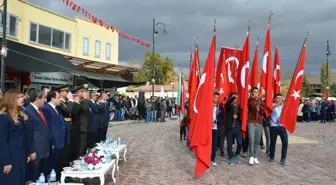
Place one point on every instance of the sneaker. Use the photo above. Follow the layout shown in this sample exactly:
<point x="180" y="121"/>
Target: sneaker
<point x="271" y="160"/>
<point x="251" y="162"/>
<point x="256" y="161"/>
<point x="262" y="147"/>
<point x="230" y="162"/>
<point x="245" y="154"/>
<point x="237" y="159"/>
<point x="283" y="162"/>
<point x="213" y="163"/>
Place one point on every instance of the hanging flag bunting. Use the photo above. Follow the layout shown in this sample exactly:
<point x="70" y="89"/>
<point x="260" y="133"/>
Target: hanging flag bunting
<point x="75" y="7"/>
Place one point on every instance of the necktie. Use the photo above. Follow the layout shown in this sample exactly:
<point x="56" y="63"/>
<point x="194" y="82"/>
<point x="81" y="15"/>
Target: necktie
<point x="42" y="116"/>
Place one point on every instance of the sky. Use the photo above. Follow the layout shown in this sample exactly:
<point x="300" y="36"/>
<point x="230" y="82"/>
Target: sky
<point x="186" y="19"/>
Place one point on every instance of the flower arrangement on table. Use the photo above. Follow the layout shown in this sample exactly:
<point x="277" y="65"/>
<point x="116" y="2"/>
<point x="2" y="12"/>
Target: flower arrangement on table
<point x="94" y="161"/>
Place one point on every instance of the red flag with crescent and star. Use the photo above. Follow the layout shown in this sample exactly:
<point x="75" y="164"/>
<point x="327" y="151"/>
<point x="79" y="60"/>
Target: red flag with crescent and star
<point x="232" y="59"/>
<point x="254" y="70"/>
<point x="290" y="109"/>
<point x="201" y="139"/>
<point x="194" y="81"/>
<point x="222" y="80"/>
<point x="276" y="72"/>
<point x="266" y="80"/>
<point x="243" y="82"/>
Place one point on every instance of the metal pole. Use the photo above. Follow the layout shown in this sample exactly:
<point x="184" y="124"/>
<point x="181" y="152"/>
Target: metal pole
<point x="153" y="59"/>
<point x="3" y="64"/>
<point x="328" y="53"/>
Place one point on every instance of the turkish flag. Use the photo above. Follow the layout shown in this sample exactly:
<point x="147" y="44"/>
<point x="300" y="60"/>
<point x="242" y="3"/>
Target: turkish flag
<point x="222" y="80"/>
<point x="232" y="59"/>
<point x="243" y="74"/>
<point x="193" y="84"/>
<point x="276" y="72"/>
<point x="266" y="80"/>
<point x="254" y="70"/>
<point x="290" y="109"/>
<point x="201" y="139"/>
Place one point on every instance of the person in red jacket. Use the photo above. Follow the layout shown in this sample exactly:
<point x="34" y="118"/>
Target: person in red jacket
<point x="254" y="124"/>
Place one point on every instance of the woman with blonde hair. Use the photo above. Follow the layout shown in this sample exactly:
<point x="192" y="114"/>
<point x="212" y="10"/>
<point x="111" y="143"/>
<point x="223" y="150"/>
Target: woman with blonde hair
<point x="13" y="157"/>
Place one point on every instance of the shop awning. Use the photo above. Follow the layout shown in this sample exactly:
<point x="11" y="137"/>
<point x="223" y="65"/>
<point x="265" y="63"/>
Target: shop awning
<point x="29" y="59"/>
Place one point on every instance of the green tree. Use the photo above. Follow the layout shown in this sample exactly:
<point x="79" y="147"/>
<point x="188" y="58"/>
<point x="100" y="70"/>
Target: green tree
<point x="164" y="69"/>
<point x="306" y="88"/>
<point x="323" y="75"/>
<point x="332" y="90"/>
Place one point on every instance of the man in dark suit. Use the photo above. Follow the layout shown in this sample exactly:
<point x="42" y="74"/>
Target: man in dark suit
<point x="105" y="115"/>
<point x="95" y="116"/>
<point x="57" y="129"/>
<point x="40" y="134"/>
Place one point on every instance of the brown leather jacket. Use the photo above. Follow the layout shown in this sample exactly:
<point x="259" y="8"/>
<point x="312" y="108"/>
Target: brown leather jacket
<point x="255" y="116"/>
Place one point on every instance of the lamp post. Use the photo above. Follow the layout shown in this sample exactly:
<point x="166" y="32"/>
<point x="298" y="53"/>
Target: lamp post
<point x="155" y="32"/>
<point x="3" y="51"/>
<point x="327" y="52"/>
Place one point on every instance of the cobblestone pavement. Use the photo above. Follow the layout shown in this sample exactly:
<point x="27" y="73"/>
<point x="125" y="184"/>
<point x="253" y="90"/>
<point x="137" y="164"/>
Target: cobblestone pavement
<point x="156" y="157"/>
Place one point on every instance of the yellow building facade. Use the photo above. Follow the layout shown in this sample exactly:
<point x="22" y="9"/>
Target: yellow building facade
<point x="46" y="30"/>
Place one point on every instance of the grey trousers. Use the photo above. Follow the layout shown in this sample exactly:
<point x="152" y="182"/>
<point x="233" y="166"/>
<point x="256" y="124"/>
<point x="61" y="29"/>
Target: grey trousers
<point x="268" y="138"/>
<point x="254" y="134"/>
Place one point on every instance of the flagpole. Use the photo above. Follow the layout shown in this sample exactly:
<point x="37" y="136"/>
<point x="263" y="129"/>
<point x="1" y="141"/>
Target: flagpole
<point x="214" y="26"/>
<point x="196" y="50"/>
<point x="303" y="45"/>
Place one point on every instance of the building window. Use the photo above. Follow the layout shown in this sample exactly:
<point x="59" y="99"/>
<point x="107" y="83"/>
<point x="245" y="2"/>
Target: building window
<point x="49" y="36"/>
<point x="97" y="48"/>
<point x="33" y="32"/>
<point x="85" y="46"/>
<point x="11" y="26"/>
<point x="108" y="51"/>
<point x="57" y="39"/>
<point x="67" y="41"/>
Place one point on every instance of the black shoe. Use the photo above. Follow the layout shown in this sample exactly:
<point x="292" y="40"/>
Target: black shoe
<point x="262" y="147"/>
<point x="222" y="154"/>
<point x="181" y="139"/>
<point x="184" y="138"/>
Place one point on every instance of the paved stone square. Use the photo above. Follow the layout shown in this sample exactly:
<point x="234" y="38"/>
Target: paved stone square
<point x="157" y="157"/>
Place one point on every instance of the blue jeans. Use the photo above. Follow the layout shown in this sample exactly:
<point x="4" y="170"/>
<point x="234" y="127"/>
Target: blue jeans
<point x="148" y="115"/>
<point x="118" y="115"/>
<point x="275" y="132"/>
<point x="154" y="113"/>
<point x="214" y="144"/>
<point x="323" y="117"/>
<point x="231" y="135"/>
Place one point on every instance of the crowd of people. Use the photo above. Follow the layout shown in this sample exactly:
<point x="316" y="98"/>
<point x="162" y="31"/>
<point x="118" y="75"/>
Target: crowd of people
<point x="322" y="111"/>
<point x="227" y="125"/>
<point x="46" y="129"/>
<point x="151" y="110"/>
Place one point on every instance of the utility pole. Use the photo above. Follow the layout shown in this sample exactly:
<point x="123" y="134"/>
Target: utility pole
<point x="3" y="51"/>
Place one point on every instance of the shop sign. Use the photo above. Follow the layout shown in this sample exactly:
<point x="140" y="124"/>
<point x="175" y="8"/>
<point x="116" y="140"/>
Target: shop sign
<point x="52" y="78"/>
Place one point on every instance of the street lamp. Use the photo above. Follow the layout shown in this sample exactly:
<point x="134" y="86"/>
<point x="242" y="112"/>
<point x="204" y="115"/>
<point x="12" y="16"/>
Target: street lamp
<point x="327" y="52"/>
<point x="155" y="32"/>
<point x="3" y="51"/>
